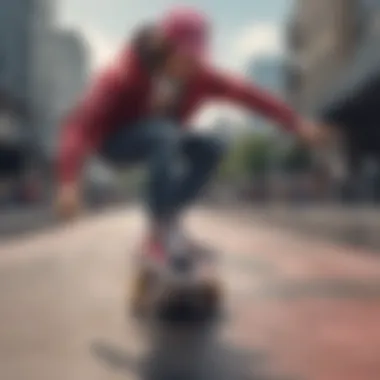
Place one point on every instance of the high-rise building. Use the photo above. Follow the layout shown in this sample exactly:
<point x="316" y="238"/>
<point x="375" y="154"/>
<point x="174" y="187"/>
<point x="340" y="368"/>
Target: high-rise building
<point x="321" y="39"/>
<point x="69" y="70"/>
<point x="335" y="72"/>
<point x="16" y="44"/>
<point x="41" y="99"/>
<point x="23" y="24"/>
<point x="267" y="72"/>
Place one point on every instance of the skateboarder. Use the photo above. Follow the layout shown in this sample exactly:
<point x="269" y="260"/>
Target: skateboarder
<point x="137" y="110"/>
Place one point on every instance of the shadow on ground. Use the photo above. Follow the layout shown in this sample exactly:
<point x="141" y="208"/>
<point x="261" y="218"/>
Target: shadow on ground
<point x="185" y="355"/>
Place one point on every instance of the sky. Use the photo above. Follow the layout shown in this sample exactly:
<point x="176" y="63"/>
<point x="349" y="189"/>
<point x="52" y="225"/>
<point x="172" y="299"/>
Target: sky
<point x="242" y="30"/>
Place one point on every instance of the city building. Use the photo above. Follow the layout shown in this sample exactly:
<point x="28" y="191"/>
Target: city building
<point x="268" y="73"/>
<point x="16" y="133"/>
<point x="41" y="99"/>
<point x="321" y="40"/>
<point x="42" y="70"/>
<point x="69" y="69"/>
<point x="334" y="73"/>
<point x="13" y="144"/>
<point x="16" y="25"/>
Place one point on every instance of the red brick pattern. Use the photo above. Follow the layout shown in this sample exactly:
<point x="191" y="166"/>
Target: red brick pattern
<point x="313" y="307"/>
<point x="303" y="309"/>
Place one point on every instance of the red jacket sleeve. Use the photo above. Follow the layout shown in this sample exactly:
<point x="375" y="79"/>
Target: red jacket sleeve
<point x="80" y="132"/>
<point x="254" y="98"/>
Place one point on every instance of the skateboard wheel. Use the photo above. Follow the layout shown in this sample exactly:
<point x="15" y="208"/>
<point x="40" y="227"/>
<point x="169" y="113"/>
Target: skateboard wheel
<point x="140" y="292"/>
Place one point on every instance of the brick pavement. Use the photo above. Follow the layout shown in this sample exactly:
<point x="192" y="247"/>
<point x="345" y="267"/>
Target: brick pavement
<point x="313" y="307"/>
<point x="298" y="308"/>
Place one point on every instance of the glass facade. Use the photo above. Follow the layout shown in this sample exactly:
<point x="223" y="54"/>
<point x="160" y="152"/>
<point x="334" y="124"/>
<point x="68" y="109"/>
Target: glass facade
<point x="15" y="47"/>
<point x="269" y="74"/>
<point x="367" y="17"/>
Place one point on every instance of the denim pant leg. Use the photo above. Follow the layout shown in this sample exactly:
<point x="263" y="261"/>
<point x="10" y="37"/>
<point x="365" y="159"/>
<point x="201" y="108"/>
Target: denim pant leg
<point x="156" y="143"/>
<point x="203" y="153"/>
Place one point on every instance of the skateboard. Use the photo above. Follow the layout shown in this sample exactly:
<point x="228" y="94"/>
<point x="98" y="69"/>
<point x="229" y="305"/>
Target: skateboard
<point x="186" y="288"/>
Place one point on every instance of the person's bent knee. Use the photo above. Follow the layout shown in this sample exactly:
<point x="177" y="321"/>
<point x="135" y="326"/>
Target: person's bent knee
<point x="213" y="150"/>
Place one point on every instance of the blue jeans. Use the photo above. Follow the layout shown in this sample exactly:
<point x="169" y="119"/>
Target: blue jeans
<point x="179" y="162"/>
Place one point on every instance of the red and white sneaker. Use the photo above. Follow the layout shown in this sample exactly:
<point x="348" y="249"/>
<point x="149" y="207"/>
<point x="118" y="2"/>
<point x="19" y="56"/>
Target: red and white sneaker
<point x="185" y="245"/>
<point x="154" y="251"/>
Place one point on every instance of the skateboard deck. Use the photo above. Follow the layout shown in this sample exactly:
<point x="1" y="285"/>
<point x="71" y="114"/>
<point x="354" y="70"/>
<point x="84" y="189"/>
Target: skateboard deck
<point x="185" y="289"/>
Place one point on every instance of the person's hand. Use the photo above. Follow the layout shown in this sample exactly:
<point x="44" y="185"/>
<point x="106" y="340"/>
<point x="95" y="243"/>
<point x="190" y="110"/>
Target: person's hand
<point x="314" y="134"/>
<point x="309" y="133"/>
<point x="68" y="202"/>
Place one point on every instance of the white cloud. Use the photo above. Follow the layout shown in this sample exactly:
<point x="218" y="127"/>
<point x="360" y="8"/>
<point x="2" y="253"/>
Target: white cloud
<point x="214" y="114"/>
<point x="103" y="48"/>
<point x="257" y="40"/>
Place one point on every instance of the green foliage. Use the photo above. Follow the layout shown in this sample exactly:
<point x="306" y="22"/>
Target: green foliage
<point x="132" y="179"/>
<point x="297" y="159"/>
<point x="250" y="156"/>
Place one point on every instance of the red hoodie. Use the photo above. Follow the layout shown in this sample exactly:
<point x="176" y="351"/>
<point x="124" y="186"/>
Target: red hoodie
<point x="120" y="96"/>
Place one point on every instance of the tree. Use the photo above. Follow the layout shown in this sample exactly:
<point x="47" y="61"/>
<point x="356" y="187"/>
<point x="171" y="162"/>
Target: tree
<point x="297" y="159"/>
<point x="249" y="157"/>
<point x="257" y="155"/>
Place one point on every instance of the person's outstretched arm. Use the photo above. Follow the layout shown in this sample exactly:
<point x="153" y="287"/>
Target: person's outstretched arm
<point x="258" y="100"/>
<point x="243" y="93"/>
